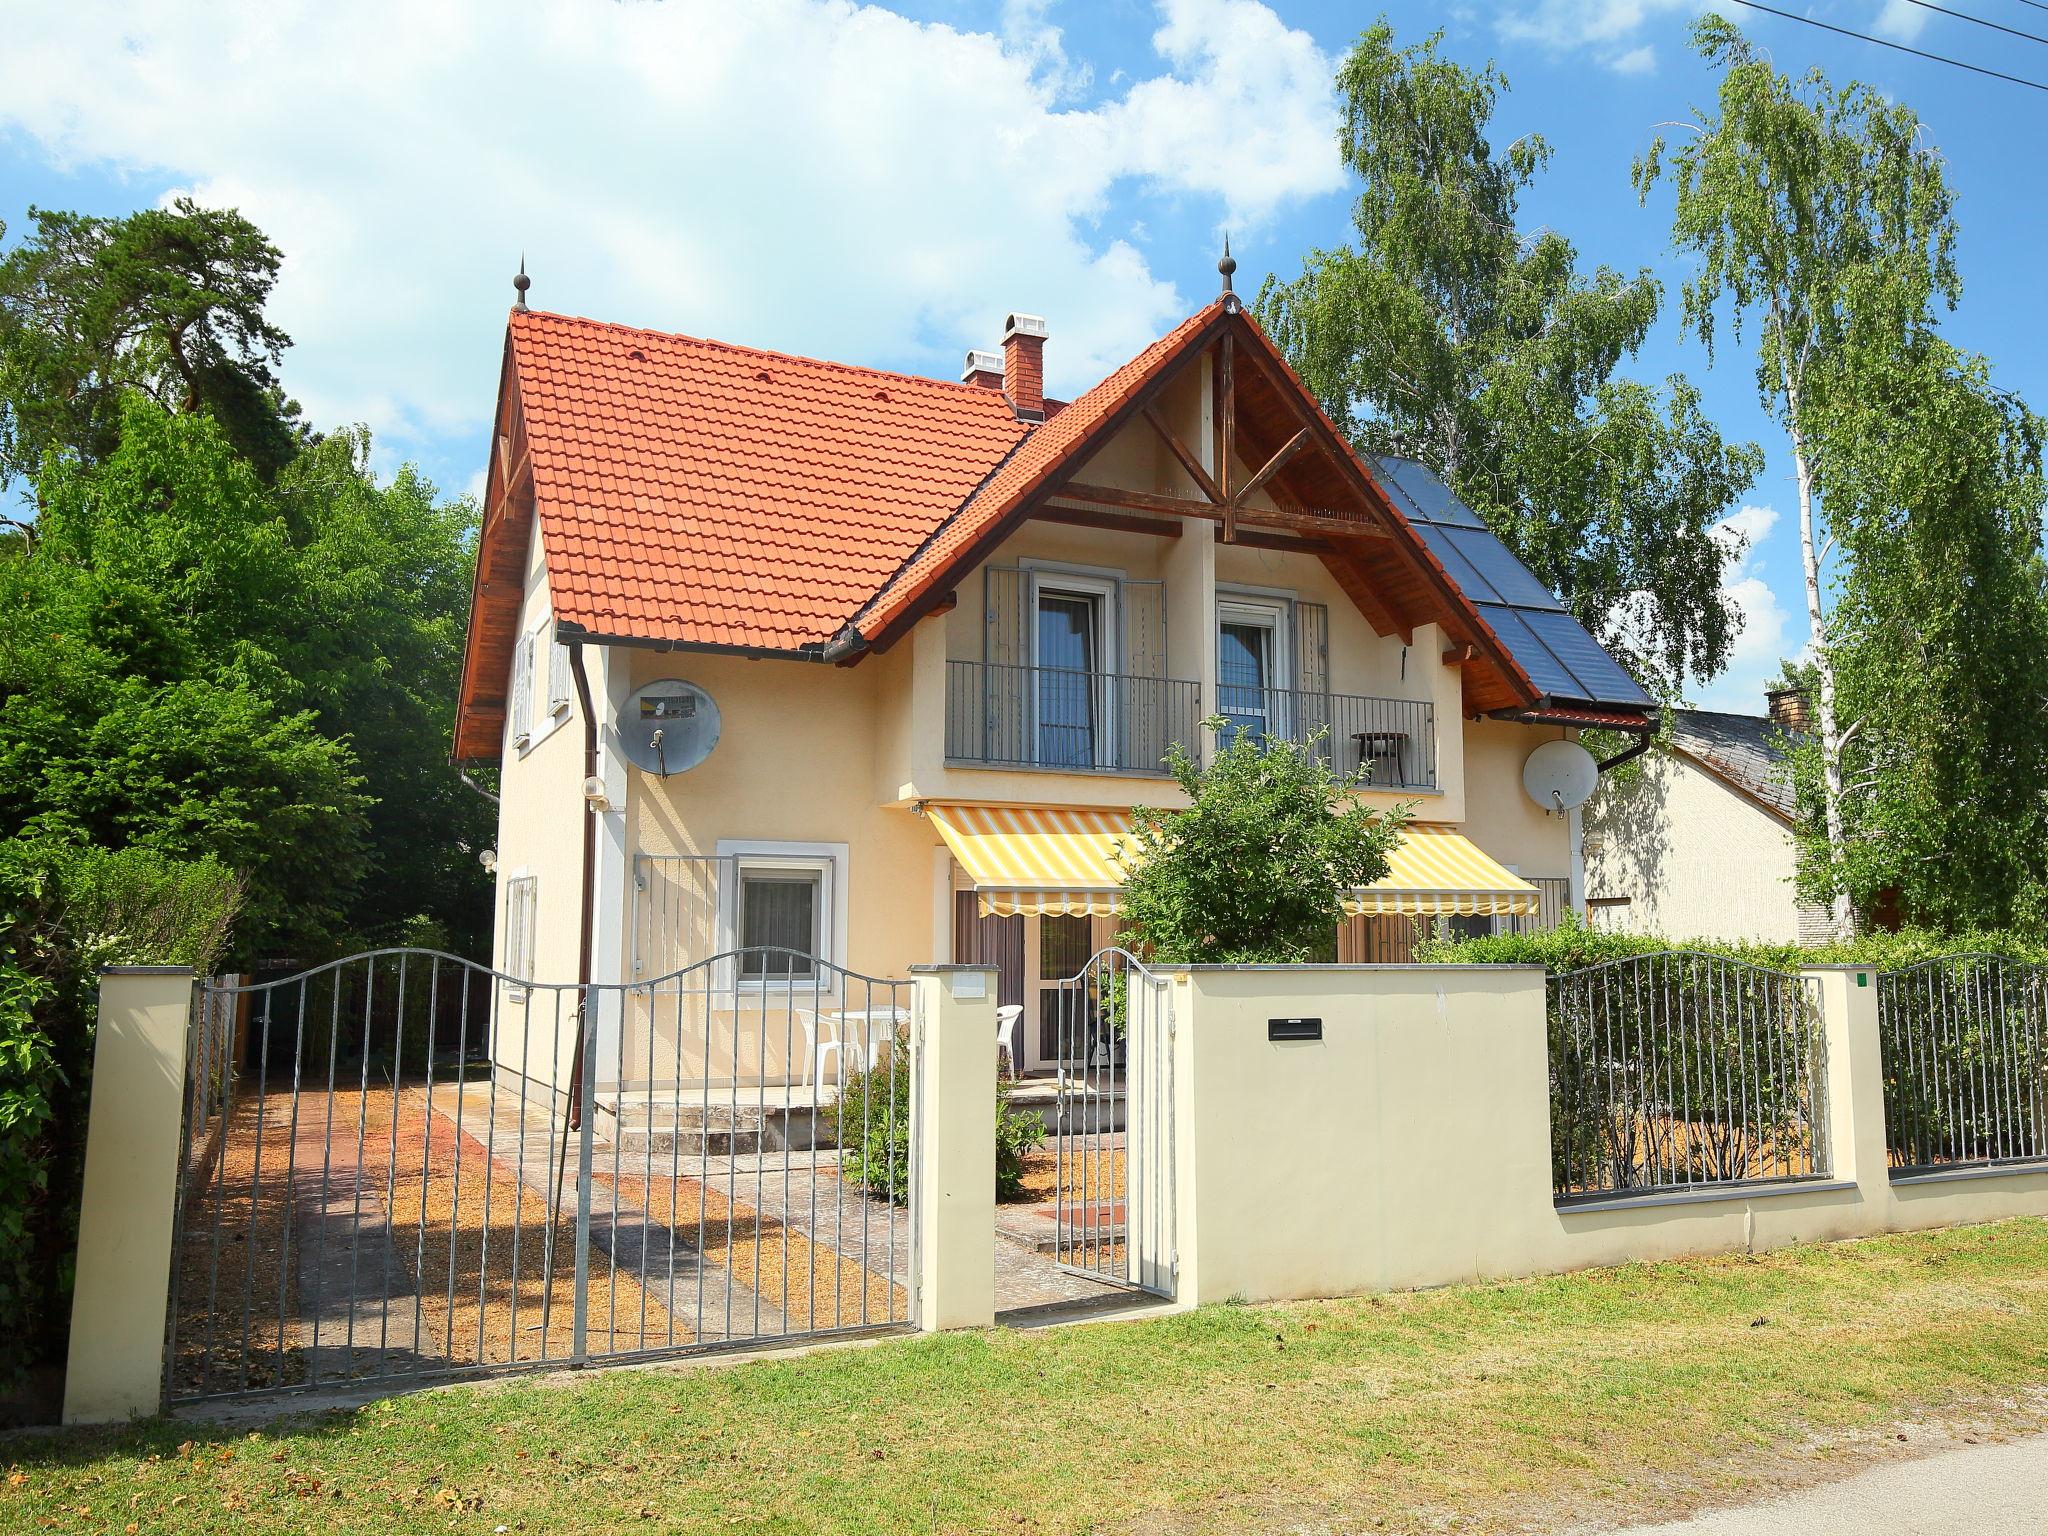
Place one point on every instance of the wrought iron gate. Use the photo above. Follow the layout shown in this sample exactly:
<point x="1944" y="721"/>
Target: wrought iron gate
<point x="1113" y="1140"/>
<point x="404" y="1164"/>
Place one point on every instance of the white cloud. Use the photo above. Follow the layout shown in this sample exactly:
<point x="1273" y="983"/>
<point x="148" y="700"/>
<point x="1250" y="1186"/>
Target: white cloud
<point x="807" y="174"/>
<point x="1603" y="28"/>
<point x="1902" y="20"/>
<point x="1760" y="643"/>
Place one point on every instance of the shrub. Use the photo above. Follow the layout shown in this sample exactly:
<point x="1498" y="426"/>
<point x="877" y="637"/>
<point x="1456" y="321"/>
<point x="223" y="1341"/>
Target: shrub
<point x="1018" y="1133"/>
<point x="871" y="1122"/>
<point x="1572" y="945"/>
<point x="65" y="911"/>
<point x="1257" y="866"/>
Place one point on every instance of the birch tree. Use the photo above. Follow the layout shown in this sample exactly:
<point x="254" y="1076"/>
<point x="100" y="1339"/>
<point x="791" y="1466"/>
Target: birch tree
<point x="1796" y="199"/>
<point x="1448" y="332"/>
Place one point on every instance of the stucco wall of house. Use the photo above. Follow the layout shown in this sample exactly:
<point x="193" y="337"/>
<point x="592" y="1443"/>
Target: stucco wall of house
<point x="1498" y="815"/>
<point x="1694" y="858"/>
<point x="796" y="762"/>
<point x="540" y="835"/>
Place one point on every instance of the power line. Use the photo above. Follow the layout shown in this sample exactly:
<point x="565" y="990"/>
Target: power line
<point x="1996" y="26"/>
<point x="1918" y="53"/>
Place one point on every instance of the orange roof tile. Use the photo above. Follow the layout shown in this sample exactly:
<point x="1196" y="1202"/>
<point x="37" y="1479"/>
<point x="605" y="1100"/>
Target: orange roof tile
<point x="1043" y="451"/>
<point x="702" y="493"/>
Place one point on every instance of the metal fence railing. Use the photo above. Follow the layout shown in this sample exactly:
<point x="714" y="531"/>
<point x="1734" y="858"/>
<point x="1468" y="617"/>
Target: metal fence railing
<point x="1056" y="717"/>
<point x="424" y="1167"/>
<point x="1112" y="1135"/>
<point x="1681" y="1070"/>
<point x="1964" y="1041"/>
<point x="1392" y="740"/>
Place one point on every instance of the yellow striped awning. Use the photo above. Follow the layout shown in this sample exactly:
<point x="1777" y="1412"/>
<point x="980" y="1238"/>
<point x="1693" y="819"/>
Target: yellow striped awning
<point x="1037" y="860"/>
<point x="1048" y="860"/>
<point x="1437" y="872"/>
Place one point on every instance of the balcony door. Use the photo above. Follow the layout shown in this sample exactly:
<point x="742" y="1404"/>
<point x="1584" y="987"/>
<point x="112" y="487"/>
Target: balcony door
<point x="1073" y="633"/>
<point x="1252" y="670"/>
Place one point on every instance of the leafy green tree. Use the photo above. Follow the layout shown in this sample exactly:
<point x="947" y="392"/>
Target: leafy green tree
<point x="168" y="301"/>
<point x="1448" y="333"/>
<point x="1257" y="867"/>
<point x="1800" y="202"/>
<point x="1938" y="641"/>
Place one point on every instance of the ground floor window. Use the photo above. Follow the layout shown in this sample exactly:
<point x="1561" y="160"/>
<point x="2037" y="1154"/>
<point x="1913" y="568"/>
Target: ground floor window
<point x="783" y="907"/>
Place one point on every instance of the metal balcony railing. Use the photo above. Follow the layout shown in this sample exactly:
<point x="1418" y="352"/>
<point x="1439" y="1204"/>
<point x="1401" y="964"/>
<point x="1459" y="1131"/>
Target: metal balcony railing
<point x="1057" y="718"/>
<point x="1394" y="739"/>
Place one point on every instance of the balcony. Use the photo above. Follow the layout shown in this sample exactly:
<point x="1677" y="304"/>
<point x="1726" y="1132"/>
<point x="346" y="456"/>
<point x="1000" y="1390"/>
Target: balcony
<point x="1064" y="720"/>
<point x="1394" y="740"/>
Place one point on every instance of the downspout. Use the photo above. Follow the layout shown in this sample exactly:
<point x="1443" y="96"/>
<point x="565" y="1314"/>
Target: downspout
<point x="583" y="937"/>
<point x="573" y="1115"/>
<point x="1628" y="754"/>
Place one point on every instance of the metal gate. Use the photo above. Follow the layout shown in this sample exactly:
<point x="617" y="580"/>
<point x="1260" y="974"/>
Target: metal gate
<point x="404" y="1164"/>
<point x="1113" y="1132"/>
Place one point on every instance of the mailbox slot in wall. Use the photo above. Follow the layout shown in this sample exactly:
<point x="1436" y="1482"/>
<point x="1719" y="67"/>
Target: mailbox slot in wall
<point x="1294" y="1029"/>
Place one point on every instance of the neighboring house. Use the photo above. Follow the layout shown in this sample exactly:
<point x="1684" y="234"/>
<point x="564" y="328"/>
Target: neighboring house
<point x="949" y="630"/>
<point x="1699" y="842"/>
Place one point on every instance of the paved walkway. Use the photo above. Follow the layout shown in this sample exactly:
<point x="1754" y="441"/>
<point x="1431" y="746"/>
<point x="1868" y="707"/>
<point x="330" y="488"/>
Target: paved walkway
<point x="1980" y="1490"/>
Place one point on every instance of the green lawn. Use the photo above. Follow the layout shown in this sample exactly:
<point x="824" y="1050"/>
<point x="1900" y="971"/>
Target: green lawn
<point x="1605" y="1392"/>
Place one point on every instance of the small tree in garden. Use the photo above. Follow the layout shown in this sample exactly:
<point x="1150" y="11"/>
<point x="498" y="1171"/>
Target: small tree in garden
<point x="1258" y="865"/>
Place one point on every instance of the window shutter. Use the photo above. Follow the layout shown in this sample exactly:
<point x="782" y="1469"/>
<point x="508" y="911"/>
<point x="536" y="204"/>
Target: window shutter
<point x="522" y="689"/>
<point x="1312" y="674"/>
<point x="1144" y="629"/>
<point x="1006" y="650"/>
<point x="560" y="686"/>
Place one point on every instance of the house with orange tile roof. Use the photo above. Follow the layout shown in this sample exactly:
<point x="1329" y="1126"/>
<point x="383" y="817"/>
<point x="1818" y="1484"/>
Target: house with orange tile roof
<point x="872" y="668"/>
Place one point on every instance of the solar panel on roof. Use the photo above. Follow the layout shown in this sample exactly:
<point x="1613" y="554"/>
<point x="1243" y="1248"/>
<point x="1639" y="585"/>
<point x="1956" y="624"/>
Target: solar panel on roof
<point x="1433" y="499"/>
<point x="1553" y="648"/>
<point x="1511" y="580"/>
<point x="1599" y="675"/>
<point x="1548" y="673"/>
<point x="1459" y="569"/>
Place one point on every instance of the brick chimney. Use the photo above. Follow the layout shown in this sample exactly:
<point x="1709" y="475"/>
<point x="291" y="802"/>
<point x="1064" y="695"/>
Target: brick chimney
<point x="1024" y="366"/>
<point x="1790" y="709"/>
<point x="984" y="369"/>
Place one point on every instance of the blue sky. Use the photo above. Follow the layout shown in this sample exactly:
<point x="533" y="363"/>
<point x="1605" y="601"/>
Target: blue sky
<point x="882" y="184"/>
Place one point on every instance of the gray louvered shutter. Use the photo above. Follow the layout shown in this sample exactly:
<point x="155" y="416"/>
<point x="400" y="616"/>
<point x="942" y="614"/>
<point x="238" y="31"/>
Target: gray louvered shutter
<point x="1006" y="654"/>
<point x="1312" y="674"/>
<point x="1143" y="698"/>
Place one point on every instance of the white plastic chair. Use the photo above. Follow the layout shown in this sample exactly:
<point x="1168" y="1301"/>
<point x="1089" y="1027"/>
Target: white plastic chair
<point x="1010" y="1035"/>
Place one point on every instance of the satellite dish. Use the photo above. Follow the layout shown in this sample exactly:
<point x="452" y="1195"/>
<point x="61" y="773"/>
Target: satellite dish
<point x="668" y="727"/>
<point x="1559" y="775"/>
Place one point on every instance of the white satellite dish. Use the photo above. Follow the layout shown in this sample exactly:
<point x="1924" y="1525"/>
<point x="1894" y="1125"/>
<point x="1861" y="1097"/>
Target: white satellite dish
<point x="668" y="727"/>
<point x="1559" y="775"/>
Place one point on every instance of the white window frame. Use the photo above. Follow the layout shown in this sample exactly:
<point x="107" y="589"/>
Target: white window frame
<point x="1273" y="612"/>
<point x="739" y="857"/>
<point x="521" y="905"/>
<point x="522" y="689"/>
<point x="1104" y="589"/>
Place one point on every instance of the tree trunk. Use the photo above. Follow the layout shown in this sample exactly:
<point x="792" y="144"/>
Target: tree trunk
<point x="1824" y="665"/>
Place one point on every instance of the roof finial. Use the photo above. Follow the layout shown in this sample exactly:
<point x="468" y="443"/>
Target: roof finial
<point x="520" y="284"/>
<point x="1227" y="266"/>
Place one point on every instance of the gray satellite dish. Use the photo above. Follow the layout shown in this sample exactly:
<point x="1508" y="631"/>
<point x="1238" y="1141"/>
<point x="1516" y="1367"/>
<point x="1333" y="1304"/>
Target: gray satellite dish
<point x="1559" y="775"/>
<point x="668" y="727"/>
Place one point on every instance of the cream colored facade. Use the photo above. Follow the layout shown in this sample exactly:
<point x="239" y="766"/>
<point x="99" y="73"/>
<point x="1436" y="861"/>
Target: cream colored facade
<point x="1677" y="851"/>
<point x="818" y="757"/>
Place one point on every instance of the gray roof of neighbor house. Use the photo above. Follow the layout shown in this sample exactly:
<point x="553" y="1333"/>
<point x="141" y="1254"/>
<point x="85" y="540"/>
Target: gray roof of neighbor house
<point x="1747" y="751"/>
<point x="1553" y="648"/>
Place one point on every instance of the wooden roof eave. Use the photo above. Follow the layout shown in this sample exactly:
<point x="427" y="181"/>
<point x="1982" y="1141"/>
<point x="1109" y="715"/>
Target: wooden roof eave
<point x="495" y="598"/>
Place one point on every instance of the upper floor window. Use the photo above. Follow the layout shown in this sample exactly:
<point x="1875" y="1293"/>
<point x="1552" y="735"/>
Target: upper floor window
<point x="522" y="689"/>
<point x="1074" y="621"/>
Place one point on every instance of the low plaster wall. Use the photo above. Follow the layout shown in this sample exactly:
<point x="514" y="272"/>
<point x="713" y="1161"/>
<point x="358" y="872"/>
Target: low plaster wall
<point x="1410" y="1146"/>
